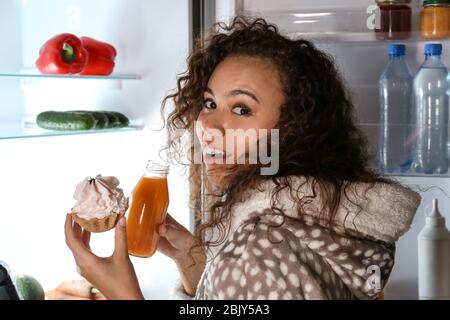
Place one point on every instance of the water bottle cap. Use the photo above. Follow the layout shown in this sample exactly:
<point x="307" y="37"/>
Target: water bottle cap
<point x="397" y="50"/>
<point x="433" y="49"/>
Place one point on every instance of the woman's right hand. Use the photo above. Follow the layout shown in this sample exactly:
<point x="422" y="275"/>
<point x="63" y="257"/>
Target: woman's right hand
<point x="179" y="244"/>
<point x="114" y="276"/>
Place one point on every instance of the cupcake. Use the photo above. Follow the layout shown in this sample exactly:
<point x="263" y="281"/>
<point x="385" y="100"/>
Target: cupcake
<point x="99" y="203"/>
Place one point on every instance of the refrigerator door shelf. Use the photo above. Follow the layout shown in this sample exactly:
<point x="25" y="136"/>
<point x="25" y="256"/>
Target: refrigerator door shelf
<point x="358" y="38"/>
<point x="329" y="21"/>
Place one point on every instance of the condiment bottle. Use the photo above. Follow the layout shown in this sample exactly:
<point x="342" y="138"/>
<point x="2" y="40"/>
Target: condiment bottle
<point x="434" y="257"/>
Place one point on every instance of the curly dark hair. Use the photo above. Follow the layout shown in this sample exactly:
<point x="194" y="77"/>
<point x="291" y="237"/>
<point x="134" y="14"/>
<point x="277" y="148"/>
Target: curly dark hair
<point x="318" y="135"/>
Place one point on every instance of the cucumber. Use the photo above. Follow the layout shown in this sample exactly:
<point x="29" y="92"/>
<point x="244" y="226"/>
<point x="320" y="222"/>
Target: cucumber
<point x="102" y="119"/>
<point x="29" y="288"/>
<point x="68" y="121"/>
<point x="114" y="121"/>
<point x="124" y="122"/>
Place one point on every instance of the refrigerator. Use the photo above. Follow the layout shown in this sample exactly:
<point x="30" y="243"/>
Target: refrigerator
<point x="39" y="170"/>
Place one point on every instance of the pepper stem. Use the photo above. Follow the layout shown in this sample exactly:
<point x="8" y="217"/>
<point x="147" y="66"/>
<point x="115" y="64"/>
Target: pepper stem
<point x="67" y="53"/>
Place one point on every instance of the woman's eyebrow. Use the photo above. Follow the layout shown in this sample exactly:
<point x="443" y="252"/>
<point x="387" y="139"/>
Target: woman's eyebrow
<point x="208" y="90"/>
<point x="235" y="92"/>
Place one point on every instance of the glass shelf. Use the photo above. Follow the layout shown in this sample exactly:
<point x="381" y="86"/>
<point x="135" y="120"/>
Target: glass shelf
<point x="335" y="23"/>
<point x="63" y="76"/>
<point x="360" y="38"/>
<point x="31" y="130"/>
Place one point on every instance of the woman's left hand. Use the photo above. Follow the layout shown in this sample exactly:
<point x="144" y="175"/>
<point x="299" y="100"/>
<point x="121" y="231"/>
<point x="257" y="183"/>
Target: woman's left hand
<point x="113" y="276"/>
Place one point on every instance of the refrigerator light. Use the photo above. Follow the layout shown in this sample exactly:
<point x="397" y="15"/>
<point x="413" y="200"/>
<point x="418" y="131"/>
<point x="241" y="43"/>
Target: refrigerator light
<point x="312" y="15"/>
<point x="305" y="21"/>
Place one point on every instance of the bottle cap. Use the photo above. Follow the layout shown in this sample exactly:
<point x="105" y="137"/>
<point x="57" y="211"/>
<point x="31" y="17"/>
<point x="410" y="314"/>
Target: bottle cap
<point x="157" y="167"/>
<point x="397" y="50"/>
<point x="435" y="216"/>
<point x="433" y="49"/>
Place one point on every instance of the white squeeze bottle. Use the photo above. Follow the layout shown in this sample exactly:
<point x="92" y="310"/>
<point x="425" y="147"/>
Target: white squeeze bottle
<point x="434" y="257"/>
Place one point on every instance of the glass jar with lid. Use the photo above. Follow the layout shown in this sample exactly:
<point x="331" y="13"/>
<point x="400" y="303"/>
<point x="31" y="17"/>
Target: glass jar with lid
<point x="435" y="19"/>
<point x="394" y="19"/>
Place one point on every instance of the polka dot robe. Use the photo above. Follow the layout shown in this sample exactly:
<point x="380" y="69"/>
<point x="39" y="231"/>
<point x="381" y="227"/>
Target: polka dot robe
<point x="298" y="260"/>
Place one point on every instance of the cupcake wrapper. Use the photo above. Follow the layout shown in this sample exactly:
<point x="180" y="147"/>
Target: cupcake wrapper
<point x="98" y="225"/>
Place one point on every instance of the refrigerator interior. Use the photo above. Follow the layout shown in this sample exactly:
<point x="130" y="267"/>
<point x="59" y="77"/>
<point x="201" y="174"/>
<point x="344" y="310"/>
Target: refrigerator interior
<point x="343" y="29"/>
<point x="39" y="174"/>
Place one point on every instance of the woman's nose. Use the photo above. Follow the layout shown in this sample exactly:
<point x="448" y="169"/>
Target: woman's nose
<point x="209" y="133"/>
<point x="213" y="124"/>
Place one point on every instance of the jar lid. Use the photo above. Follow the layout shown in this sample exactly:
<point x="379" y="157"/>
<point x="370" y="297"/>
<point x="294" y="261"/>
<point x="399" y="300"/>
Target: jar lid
<point x="432" y="2"/>
<point x="393" y="1"/>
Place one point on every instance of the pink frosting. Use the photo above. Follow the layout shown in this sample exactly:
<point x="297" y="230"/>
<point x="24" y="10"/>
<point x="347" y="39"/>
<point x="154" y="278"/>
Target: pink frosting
<point x="99" y="197"/>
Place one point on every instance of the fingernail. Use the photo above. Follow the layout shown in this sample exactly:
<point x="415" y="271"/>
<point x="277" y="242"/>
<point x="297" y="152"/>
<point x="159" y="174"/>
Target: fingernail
<point x="162" y="229"/>
<point x="122" y="222"/>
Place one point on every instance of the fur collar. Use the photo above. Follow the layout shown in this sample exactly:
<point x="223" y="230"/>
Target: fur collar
<point x="385" y="212"/>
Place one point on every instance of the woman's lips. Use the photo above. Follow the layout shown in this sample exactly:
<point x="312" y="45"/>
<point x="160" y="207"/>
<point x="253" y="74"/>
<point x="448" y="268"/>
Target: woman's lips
<point x="213" y="155"/>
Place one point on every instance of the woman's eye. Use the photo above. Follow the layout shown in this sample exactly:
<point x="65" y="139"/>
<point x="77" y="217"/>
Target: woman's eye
<point x="209" y="104"/>
<point x="242" y="110"/>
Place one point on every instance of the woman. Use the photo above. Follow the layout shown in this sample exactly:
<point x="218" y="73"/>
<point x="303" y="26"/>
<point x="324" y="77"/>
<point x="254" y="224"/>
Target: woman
<point x="323" y="226"/>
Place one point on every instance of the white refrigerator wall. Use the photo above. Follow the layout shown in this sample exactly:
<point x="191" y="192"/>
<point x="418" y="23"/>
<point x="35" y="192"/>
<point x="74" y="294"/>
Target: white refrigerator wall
<point x="11" y="105"/>
<point x="338" y="23"/>
<point x="39" y="175"/>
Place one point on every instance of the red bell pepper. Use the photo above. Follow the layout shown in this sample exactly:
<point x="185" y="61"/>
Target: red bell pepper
<point x="62" y="54"/>
<point x="101" y="57"/>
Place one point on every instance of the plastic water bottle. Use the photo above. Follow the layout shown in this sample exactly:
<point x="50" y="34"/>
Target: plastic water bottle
<point x="396" y="88"/>
<point x="434" y="257"/>
<point x="431" y="114"/>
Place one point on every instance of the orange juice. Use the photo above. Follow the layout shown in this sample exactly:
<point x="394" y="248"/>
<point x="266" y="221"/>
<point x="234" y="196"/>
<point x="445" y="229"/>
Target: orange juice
<point x="150" y="199"/>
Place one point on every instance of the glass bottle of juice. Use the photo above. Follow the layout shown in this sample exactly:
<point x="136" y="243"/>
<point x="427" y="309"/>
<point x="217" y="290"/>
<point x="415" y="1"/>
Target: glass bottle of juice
<point x="150" y="199"/>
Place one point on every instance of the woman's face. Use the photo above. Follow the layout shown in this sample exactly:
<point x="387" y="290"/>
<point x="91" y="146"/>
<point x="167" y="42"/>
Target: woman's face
<point x="242" y="93"/>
